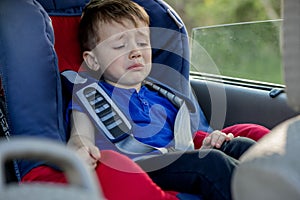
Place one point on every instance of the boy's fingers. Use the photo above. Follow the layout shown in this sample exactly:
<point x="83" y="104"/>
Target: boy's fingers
<point x="216" y="139"/>
<point x="95" y="153"/>
<point x="207" y="140"/>
<point x="219" y="142"/>
<point x="230" y="136"/>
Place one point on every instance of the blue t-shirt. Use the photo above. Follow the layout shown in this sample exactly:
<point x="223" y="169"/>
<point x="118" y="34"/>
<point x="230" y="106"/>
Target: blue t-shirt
<point x="151" y="115"/>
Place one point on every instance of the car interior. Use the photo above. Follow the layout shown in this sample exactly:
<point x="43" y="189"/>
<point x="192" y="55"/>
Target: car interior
<point x="271" y="167"/>
<point x="38" y="41"/>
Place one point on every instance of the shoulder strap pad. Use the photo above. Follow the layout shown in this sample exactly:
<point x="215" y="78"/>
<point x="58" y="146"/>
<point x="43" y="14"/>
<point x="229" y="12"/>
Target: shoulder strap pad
<point x="106" y="115"/>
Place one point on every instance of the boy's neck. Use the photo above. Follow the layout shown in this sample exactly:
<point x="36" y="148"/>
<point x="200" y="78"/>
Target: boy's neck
<point x="137" y="87"/>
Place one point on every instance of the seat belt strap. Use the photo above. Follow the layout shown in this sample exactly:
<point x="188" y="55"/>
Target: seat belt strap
<point x="110" y="119"/>
<point x="113" y="123"/>
<point x="182" y="130"/>
<point x="170" y="96"/>
<point x="182" y="126"/>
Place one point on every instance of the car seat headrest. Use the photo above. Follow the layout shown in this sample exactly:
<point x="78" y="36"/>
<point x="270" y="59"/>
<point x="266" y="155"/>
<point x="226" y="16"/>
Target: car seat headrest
<point x="169" y="41"/>
<point x="66" y="42"/>
<point x="54" y="6"/>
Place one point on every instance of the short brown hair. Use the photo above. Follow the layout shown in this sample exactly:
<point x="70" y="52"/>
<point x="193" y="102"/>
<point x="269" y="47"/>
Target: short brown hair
<point x="106" y="11"/>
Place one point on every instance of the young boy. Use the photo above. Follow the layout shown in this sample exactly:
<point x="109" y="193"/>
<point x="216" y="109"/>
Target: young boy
<point x="115" y="42"/>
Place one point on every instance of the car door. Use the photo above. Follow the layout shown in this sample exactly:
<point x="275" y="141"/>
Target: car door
<point x="251" y="48"/>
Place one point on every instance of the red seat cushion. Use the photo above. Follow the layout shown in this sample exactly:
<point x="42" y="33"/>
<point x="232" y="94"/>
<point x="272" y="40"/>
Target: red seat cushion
<point x="66" y="42"/>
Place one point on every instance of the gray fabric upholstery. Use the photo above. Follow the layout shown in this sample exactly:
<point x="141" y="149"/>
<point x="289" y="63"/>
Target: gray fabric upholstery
<point x="271" y="169"/>
<point x="82" y="184"/>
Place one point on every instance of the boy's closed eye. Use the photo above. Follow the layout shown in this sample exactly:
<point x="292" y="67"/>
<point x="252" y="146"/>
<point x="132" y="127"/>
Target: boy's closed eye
<point x="143" y="44"/>
<point x="118" y="46"/>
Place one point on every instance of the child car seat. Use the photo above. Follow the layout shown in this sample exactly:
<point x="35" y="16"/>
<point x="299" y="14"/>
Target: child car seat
<point x="174" y="56"/>
<point x="29" y="64"/>
<point x="170" y="53"/>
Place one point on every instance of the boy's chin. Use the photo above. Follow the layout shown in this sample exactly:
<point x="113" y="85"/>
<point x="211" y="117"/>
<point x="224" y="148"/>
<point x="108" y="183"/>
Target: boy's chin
<point x="136" y="79"/>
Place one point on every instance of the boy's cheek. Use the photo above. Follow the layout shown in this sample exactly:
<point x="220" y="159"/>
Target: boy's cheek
<point x="147" y="56"/>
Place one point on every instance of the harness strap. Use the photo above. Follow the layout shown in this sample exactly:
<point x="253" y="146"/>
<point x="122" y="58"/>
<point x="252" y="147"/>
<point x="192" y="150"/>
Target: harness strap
<point x="110" y="119"/>
<point x="170" y="96"/>
<point x="182" y="128"/>
<point x="113" y="123"/>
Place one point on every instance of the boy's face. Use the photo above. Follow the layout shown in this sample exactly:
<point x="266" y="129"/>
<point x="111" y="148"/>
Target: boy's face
<point x="124" y="54"/>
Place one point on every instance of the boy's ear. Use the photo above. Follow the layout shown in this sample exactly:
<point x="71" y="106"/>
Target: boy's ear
<point x="91" y="60"/>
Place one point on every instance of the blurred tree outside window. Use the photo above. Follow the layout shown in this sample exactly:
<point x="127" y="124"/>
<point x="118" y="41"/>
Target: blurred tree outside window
<point x="250" y="51"/>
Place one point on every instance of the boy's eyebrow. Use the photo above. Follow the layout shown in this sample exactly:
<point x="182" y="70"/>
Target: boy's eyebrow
<point x="120" y="36"/>
<point x="143" y="33"/>
<point x="140" y="32"/>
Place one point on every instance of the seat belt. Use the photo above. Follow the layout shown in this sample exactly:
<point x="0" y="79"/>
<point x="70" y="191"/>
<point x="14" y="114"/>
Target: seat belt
<point x="182" y="127"/>
<point x="117" y="128"/>
<point x="110" y="119"/>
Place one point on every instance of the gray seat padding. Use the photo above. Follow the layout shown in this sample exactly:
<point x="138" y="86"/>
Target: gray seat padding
<point x="271" y="169"/>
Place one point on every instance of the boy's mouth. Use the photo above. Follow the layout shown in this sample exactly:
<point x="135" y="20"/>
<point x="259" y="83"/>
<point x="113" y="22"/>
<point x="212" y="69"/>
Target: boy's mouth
<point x="135" y="66"/>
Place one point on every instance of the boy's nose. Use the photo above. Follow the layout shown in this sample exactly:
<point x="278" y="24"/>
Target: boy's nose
<point x="134" y="54"/>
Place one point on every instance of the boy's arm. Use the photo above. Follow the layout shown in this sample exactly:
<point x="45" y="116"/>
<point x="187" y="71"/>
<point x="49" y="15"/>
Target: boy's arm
<point x="82" y="138"/>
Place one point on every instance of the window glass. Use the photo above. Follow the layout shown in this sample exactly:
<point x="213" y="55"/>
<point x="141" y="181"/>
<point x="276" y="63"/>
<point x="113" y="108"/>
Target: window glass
<point x="241" y="41"/>
<point x="242" y="50"/>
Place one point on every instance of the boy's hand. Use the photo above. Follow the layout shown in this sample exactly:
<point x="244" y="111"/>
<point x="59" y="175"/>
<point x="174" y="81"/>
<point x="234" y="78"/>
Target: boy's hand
<point x="216" y="139"/>
<point x="86" y="150"/>
<point x="90" y="155"/>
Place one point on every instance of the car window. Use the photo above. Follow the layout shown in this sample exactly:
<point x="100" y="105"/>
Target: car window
<point x="242" y="50"/>
<point x="241" y="41"/>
